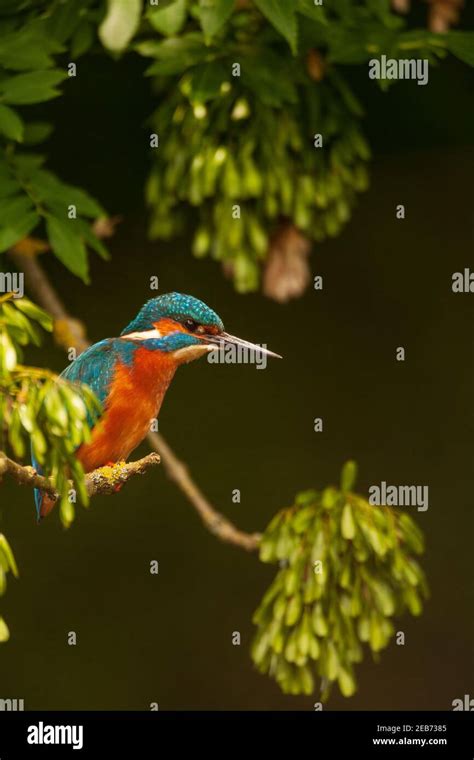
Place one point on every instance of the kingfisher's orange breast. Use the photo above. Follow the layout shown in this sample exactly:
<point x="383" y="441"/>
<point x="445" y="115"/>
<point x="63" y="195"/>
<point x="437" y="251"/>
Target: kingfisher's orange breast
<point x="134" y="400"/>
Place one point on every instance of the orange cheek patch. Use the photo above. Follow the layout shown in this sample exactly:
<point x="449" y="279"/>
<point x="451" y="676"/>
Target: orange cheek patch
<point x="211" y="330"/>
<point x="167" y="326"/>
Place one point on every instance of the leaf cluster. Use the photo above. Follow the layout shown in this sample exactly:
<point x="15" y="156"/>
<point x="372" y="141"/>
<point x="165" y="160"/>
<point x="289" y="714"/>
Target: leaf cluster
<point x="33" y="39"/>
<point x="347" y="569"/>
<point x="40" y="410"/>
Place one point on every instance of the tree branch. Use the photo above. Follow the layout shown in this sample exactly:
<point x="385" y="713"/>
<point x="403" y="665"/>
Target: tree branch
<point x="104" y="480"/>
<point x="69" y="332"/>
<point x="213" y="520"/>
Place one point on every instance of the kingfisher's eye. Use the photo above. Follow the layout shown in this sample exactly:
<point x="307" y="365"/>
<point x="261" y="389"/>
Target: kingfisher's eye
<point x="190" y="325"/>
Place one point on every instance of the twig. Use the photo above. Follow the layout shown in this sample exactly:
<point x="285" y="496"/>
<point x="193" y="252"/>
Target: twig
<point x="104" y="480"/>
<point x="72" y="334"/>
<point x="214" y="521"/>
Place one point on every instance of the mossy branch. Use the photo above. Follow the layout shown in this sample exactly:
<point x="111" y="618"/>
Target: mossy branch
<point x="104" y="480"/>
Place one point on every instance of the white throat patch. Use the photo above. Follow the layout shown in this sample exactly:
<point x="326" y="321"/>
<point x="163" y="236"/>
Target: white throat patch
<point x="145" y="335"/>
<point x="190" y="353"/>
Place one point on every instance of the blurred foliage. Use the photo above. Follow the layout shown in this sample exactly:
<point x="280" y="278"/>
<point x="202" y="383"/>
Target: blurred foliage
<point x="225" y="140"/>
<point x="346" y="570"/>
<point x="32" y="37"/>
<point x="7" y="564"/>
<point x="38" y="409"/>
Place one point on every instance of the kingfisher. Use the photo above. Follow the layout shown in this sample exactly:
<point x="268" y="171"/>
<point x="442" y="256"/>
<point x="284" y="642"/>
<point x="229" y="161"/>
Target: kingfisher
<point x="131" y="374"/>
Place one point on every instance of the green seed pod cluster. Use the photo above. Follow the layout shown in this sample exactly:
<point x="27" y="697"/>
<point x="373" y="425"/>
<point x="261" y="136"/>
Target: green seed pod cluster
<point x="245" y="166"/>
<point x="346" y="569"/>
<point x="38" y="410"/>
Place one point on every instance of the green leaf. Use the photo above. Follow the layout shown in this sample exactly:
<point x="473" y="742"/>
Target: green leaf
<point x="319" y="622"/>
<point x="7" y="353"/>
<point x="15" y="207"/>
<point x="28" y="162"/>
<point x="175" y="54"/>
<point x="214" y="14"/>
<point x="52" y="191"/>
<point x="28" y="48"/>
<point x="332" y="661"/>
<point x="18" y="210"/>
<point x="91" y="239"/>
<point x="33" y="87"/>
<point x="36" y="132"/>
<point x="82" y="39"/>
<point x="66" y="512"/>
<point x="39" y="444"/>
<point x="281" y="13"/>
<point x="8" y="185"/>
<point x="206" y="81"/>
<point x="10" y="124"/>
<point x="63" y="19"/>
<point x="348" y="476"/>
<point x="169" y="20"/>
<point x="17" y="230"/>
<point x="347" y="682"/>
<point x="8" y="554"/>
<point x="67" y="245"/>
<point x="4" y="632"/>
<point x="312" y="11"/>
<point x="35" y="312"/>
<point x="329" y="497"/>
<point x="461" y="44"/>
<point x="293" y="610"/>
<point x="347" y="523"/>
<point x="120" y="24"/>
<point x="383" y="597"/>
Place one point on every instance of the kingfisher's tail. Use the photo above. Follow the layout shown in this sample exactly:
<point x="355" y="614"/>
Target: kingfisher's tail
<point x="39" y="502"/>
<point x="44" y="504"/>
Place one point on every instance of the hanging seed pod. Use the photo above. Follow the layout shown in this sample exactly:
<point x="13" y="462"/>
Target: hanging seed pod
<point x="319" y="622"/>
<point x="362" y="580"/>
<point x="257" y="237"/>
<point x="348" y="528"/>
<point x="293" y="610"/>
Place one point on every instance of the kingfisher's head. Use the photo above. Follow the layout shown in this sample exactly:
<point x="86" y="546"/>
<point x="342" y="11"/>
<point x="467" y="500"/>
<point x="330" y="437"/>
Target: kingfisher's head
<point x="182" y="325"/>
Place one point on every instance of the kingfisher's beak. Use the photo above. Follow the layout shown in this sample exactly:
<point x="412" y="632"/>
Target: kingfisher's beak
<point x="224" y="339"/>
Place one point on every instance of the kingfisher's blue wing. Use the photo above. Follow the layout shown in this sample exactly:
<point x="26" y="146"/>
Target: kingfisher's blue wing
<point x="95" y="368"/>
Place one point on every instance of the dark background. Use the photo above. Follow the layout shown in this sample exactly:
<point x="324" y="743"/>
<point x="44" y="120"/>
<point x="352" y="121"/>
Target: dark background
<point x="387" y="283"/>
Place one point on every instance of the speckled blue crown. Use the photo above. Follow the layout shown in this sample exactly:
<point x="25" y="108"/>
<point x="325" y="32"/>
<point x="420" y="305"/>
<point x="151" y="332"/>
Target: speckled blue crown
<point x="175" y="306"/>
